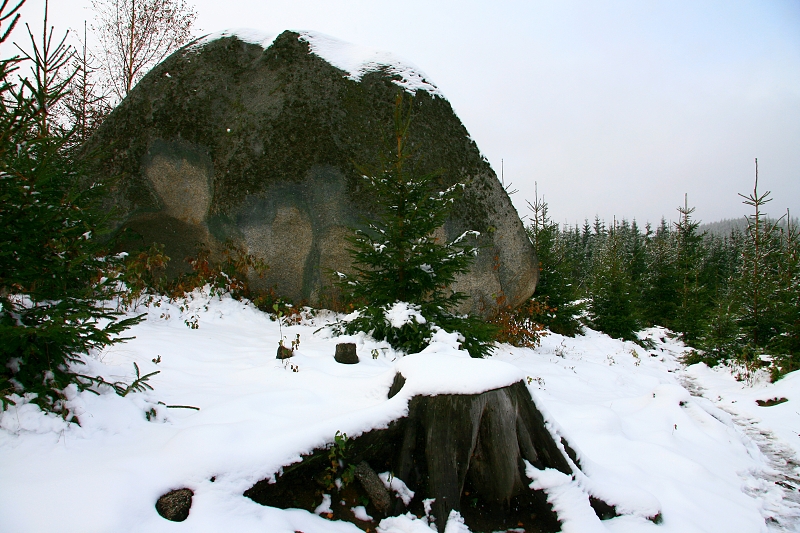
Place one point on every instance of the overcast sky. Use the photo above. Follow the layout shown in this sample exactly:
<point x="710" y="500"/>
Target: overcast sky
<point x="615" y="108"/>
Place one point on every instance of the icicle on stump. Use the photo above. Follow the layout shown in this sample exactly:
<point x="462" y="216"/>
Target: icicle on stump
<point x="467" y="451"/>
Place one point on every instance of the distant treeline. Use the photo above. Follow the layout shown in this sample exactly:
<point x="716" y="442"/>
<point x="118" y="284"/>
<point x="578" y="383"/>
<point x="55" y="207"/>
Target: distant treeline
<point x="730" y="289"/>
<point x="727" y="225"/>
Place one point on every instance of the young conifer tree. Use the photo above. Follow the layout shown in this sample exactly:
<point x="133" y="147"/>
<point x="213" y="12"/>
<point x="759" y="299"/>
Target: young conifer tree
<point x="719" y="332"/>
<point x="49" y="61"/>
<point x="659" y="288"/>
<point x="53" y="272"/>
<point x="403" y="271"/>
<point x="612" y="301"/>
<point x="757" y="283"/>
<point x="787" y="345"/>
<point x="556" y="289"/>
<point x="692" y="291"/>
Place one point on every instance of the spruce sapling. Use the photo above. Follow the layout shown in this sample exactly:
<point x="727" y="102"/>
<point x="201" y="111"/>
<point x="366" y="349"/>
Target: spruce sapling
<point x="403" y="271"/>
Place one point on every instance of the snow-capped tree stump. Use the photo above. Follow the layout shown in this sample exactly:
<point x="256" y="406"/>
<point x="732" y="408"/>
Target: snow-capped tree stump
<point x="346" y="353"/>
<point x="480" y="439"/>
<point x="467" y="451"/>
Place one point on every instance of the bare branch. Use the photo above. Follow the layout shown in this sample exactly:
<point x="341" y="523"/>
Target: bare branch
<point x="136" y="35"/>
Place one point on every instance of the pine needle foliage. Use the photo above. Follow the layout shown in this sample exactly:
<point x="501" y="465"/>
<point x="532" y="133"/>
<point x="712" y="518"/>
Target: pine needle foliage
<point x="398" y="257"/>
<point x="140" y="384"/>
<point x="54" y="274"/>
<point x="612" y="309"/>
<point x="556" y="302"/>
<point x="732" y="298"/>
<point x="692" y="284"/>
<point x="787" y="344"/>
<point x="758" y="279"/>
<point x="659" y="287"/>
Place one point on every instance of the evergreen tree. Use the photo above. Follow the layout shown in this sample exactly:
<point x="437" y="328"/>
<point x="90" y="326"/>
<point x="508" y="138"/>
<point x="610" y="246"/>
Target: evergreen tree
<point x="758" y="281"/>
<point x="49" y="61"/>
<point x="693" y="301"/>
<point x="659" y="299"/>
<point x="611" y="309"/>
<point x="636" y="250"/>
<point x="719" y="330"/>
<point x="556" y="290"/>
<point x="581" y="254"/>
<point x="574" y="250"/>
<point x="53" y="273"/>
<point x="721" y="262"/>
<point x="786" y="345"/>
<point x="403" y="273"/>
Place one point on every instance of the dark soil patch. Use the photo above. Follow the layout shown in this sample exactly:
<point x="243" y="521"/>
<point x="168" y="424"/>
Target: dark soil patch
<point x="771" y="402"/>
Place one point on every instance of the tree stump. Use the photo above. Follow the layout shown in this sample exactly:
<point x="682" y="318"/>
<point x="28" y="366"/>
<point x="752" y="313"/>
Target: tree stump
<point x="467" y="451"/>
<point x="346" y="353"/>
<point x="480" y="439"/>
<point x="284" y="352"/>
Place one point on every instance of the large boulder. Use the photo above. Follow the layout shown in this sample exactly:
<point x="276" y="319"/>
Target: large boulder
<point x="258" y="140"/>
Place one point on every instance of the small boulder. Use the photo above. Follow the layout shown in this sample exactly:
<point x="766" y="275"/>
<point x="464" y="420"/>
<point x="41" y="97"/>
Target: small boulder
<point x="346" y="353"/>
<point x="175" y="504"/>
<point x="284" y="352"/>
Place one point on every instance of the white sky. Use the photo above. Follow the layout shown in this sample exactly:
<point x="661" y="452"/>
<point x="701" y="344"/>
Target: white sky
<point x="615" y="108"/>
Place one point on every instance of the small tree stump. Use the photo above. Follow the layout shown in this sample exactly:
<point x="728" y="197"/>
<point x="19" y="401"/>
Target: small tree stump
<point x="175" y="504"/>
<point x="284" y="352"/>
<point x="346" y="353"/>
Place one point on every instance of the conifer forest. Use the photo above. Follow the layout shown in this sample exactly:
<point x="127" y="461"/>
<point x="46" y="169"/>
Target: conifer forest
<point x="733" y="296"/>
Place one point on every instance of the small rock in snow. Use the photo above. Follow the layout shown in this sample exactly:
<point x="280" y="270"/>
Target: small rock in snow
<point x="175" y="504"/>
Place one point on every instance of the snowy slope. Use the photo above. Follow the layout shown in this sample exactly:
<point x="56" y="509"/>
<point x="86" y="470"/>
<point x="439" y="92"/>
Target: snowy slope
<point x="646" y="443"/>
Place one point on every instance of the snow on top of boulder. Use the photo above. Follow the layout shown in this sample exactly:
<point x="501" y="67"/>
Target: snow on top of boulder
<point x="247" y="35"/>
<point x="359" y="60"/>
<point x="354" y="59"/>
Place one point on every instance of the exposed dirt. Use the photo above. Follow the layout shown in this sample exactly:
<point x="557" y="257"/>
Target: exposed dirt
<point x="771" y="402"/>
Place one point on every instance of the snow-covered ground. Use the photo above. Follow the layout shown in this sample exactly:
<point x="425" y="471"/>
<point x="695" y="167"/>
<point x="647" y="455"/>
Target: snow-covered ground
<point x="690" y="443"/>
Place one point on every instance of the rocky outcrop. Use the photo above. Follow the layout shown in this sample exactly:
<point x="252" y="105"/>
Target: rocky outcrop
<point x="258" y="141"/>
